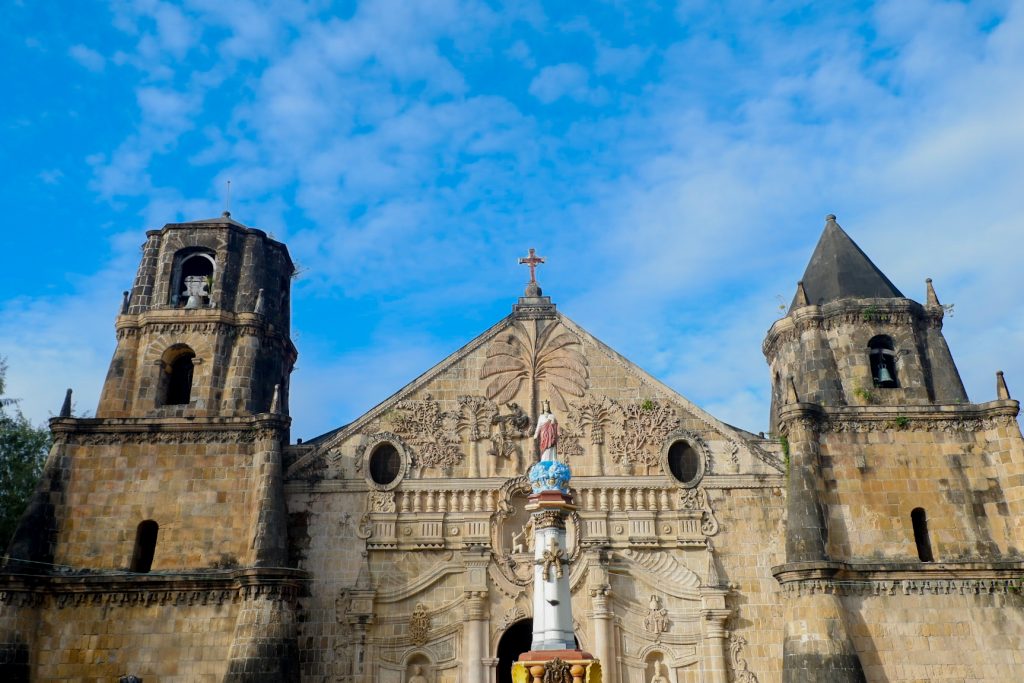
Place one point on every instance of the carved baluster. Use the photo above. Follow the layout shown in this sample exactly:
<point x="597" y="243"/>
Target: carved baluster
<point x="652" y="499"/>
<point x="478" y="501"/>
<point x="430" y="501"/>
<point x="627" y="500"/>
<point x="616" y="500"/>
<point x="663" y="500"/>
<point x="604" y="500"/>
<point x="465" y="501"/>
<point x="442" y="501"/>
<point x="416" y="500"/>
<point x="406" y="502"/>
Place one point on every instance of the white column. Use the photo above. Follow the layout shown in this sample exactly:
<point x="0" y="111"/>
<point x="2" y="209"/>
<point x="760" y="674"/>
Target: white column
<point x="552" y="605"/>
<point x="604" y="629"/>
<point x="475" y="633"/>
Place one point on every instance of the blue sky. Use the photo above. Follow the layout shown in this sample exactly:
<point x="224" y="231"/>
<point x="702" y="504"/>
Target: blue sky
<point x="673" y="162"/>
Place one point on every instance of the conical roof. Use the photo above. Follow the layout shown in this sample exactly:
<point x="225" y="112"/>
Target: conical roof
<point x="840" y="270"/>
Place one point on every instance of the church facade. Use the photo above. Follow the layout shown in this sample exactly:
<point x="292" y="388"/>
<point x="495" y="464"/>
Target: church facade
<point x="875" y="534"/>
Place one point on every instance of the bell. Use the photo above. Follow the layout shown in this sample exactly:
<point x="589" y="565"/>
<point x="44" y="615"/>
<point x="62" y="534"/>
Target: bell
<point x="884" y="376"/>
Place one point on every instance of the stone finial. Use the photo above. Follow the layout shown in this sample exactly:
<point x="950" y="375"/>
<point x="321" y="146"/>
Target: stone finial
<point x="791" y="395"/>
<point x="1002" y="392"/>
<point x="932" y="299"/>
<point x="275" y="401"/>
<point x="65" y="408"/>
<point x="831" y="218"/>
<point x="124" y="302"/>
<point x="260" y="305"/>
<point x="801" y="296"/>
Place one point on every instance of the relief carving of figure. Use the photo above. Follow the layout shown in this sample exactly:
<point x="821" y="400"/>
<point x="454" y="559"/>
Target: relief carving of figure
<point x="547" y="434"/>
<point x="523" y="541"/>
<point x="656" y="620"/>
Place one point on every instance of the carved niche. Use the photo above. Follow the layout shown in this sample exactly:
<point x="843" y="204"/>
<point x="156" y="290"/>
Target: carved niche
<point x="512" y="533"/>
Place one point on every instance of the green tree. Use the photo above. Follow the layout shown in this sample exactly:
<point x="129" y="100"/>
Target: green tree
<point x="23" y="449"/>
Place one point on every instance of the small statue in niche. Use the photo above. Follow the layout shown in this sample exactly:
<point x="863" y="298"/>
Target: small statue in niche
<point x="656" y="620"/>
<point x="196" y="290"/>
<point x="657" y="677"/>
<point x="417" y="675"/>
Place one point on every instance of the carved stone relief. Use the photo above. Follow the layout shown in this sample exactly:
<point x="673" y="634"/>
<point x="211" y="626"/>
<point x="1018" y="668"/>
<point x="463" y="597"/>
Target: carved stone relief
<point x="656" y="621"/>
<point x="431" y="433"/>
<point x="419" y="624"/>
<point x="697" y="499"/>
<point x="547" y="360"/>
<point x="741" y="674"/>
<point x="595" y="415"/>
<point x="646" y="425"/>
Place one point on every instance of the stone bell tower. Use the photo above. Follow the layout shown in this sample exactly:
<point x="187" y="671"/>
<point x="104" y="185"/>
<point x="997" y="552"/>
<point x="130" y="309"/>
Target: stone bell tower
<point x="204" y="329"/>
<point x="890" y="475"/>
<point x="175" y="487"/>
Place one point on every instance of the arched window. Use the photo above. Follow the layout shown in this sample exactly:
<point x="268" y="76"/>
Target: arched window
<point x="192" y="278"/>
<point x="176" y="376"/>
<point x="684" y="462"/>
<point x="145" y="546"/>
<point x="882" y="356"/>
<point x="924" y="543"/>
<point x="385" y="463"/>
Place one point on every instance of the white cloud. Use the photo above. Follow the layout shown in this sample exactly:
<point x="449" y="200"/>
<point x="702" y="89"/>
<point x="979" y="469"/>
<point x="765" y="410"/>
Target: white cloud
<point x="88" y="58"/>
<point x="562" y="80"/>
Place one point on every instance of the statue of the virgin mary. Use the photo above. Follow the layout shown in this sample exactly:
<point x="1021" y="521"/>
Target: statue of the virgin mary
<point x="547" y="433"/>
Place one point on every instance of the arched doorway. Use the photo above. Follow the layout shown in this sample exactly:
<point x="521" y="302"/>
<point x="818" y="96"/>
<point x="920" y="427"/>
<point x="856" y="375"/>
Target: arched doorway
<point x="515" y="641"/>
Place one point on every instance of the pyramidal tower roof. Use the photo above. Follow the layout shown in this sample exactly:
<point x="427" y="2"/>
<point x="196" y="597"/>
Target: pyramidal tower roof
<point x="840" y="270"/>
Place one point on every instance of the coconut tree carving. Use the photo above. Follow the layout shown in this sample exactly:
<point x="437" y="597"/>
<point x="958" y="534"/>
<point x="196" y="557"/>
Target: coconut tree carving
<point x="548" y="361"/>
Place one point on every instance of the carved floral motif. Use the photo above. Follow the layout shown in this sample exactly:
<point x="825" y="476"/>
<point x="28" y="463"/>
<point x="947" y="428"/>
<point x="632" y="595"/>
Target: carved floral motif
<point x="697" y="499"/>
<point x="595" y="415"/>
<point x="645" y="426"/>
<point x="475" y="416"/>
<point x="430" y="433"/>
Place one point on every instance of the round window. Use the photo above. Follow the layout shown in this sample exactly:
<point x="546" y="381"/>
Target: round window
<point x="683" y="462"/>
<point x="385" y="463"/>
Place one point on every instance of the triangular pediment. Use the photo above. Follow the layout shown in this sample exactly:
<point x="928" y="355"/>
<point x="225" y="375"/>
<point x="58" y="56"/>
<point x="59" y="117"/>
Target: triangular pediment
<point x="471" y="414"/>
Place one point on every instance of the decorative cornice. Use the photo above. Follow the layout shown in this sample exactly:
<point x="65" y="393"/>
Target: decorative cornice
<point x="906" y="578"/>
<point x="112" y="431"/>
<point x="950" y="418"/>
<point x="178" y="589"/>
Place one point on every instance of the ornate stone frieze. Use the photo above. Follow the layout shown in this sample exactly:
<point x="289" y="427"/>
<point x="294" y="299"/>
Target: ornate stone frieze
<point x="949" y="425"/>
<point x="111" y="438"/>
<point x="884" y="587"/>
<point x="549" y="361"/>
<point x="740" y="671"/>
<point x="430" y="433"/>
<point x="645" y="426"/>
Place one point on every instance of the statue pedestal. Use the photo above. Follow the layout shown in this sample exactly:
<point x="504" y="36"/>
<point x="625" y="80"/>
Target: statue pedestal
<point x="559" y="666"/>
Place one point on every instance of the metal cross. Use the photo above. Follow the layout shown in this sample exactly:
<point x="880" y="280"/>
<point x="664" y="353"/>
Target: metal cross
<point x="533" y="261"/>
